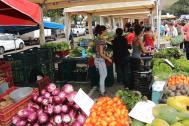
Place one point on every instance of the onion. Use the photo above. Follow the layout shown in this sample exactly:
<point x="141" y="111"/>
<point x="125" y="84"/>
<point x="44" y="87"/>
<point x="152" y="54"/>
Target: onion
<point x="39" y="99"/>
<point x="49" y="109"/>
<point x="50" y="99"/>
<point x="23" y="113"/>
<point x="72" y="114"/>
<point x="34" y="97"/>
<point x="64" y="108"/>
<point x="68" y="88"/>
<point x="47" y="95"/>
<point x="32" y="117"/>
<point x="45" y="102"/>
<point x="57" y="100"/>
<point x="71" y="96"/>
<point x="43" y="92"/>
<point x="33" y="105"/>
<point x="36" y="124"/>
<point x="66" y="118"/>
<point x="81" y="119"/>
<point x="49" y="124"/>
<point x="43" y="118"/>
<point x="21" y="123"/>
<point x="57" y="109"/>
<point x="51" y="87"/>
<point x="15" y="119"/>
<point x="56" y="92"/>
<point x="62" y="95"/>
<point x="39" y="111"/>
<point x="51" y="120"/>
<point x="76" y="123"/>
<point x="76" y="107"/>
<point x="57" y="119"/>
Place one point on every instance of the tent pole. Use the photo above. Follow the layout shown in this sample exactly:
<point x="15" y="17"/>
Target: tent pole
<point x="89" y="17"/>
<point x="158" y="22"/>
<point x="15" y="42"/>
<point x="41" y="27"/>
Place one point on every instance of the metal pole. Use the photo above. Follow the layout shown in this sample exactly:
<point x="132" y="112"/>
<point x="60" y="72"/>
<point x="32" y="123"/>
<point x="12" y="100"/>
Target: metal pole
<point x="158" y="22"/>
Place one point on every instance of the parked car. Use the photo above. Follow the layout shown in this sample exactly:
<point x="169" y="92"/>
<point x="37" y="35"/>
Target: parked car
<point x="78" y="30"/>
<point x="7" y="42"/>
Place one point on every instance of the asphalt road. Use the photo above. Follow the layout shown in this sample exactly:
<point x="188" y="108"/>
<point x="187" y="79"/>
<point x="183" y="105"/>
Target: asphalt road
<point x="28" y="47"/>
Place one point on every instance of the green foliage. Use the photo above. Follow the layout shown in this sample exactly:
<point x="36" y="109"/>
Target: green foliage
<point x="169" y="53"/>
<point x="130" y="98"/>
<point x="179" y="8"/>
<point x="77" y="52"/>
<point x="62" y="46"/>
<point x="55" y="15"/>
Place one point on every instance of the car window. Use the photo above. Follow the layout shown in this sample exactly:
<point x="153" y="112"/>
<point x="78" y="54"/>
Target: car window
<point x="3" y="38"/>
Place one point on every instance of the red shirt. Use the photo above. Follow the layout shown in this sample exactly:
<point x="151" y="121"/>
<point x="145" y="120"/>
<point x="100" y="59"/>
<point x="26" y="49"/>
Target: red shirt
<point x="148" y="41"/>
<point x="130" y="37"/>
<point x="186" y="30"/>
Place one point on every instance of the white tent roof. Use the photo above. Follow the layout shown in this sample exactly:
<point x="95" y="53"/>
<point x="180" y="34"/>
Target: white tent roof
<point x="112" y="7"/>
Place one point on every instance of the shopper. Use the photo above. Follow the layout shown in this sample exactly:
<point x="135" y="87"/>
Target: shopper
<point x="172" y="31"/>
<point x="121" y="56"/>
<point x="71" y="39"/>
<point x="185" y="31"/>
<point x="180" y="27"/>
<point x="130" y="37"/>
<point x="101" y="57"/>
<point x="138" y="49"/>
<point x="148" y="39"/>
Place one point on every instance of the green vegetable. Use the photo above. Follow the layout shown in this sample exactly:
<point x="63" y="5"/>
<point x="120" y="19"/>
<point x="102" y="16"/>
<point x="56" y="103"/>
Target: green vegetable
<point x="130" y="98"/>
<point x="61" y="46"/>
<point x="137" y="123"/>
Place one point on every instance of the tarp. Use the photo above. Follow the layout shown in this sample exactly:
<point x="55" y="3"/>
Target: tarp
<point x="25" y="29"/>
<point x="19" y="13"/>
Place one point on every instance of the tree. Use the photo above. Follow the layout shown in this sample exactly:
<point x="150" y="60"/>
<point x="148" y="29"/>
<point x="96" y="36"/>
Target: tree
<point x="179" y="8"/>
<point x="55" y="15"/>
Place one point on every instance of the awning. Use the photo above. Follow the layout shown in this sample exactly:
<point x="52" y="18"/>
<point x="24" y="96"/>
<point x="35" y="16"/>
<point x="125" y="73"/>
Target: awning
<point x="25" y="29"/>
<point x="19" y="13"/>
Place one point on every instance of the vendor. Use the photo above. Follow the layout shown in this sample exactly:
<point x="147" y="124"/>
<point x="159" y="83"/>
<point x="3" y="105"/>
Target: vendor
<point x="101" y="57"/>
<point x="148" y="39"/>
<point x="121" y="56"/>
<point x="138" y="49"/>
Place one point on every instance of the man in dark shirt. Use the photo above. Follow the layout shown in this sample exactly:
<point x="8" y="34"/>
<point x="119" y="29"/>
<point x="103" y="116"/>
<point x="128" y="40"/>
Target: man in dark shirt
<point x="121" y="56"/>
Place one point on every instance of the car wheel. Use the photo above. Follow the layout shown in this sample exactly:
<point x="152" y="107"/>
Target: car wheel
<point x="21" y="46"/>
<point x="2" y="50"/>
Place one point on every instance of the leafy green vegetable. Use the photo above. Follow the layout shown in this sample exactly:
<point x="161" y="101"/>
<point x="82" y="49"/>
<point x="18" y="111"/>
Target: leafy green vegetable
<point x="130" y="98"/>
<point x="77" y="52"/>
<point x="169" y="53"/>
<point x="62" y="46"/>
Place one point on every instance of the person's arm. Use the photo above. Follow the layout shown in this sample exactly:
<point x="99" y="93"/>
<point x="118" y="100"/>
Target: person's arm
<point x="143" y="48"/>
<point x="101" y="49"/>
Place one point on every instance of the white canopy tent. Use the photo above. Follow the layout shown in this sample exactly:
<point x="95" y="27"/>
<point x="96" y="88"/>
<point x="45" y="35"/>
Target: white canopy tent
<point x="120" y="9"/>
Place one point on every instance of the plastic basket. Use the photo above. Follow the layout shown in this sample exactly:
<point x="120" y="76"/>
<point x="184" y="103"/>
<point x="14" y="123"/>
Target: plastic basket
<point x="7" y="113"/>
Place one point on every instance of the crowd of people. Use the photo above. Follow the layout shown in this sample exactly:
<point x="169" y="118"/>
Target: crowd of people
<point x="139" y="38"/>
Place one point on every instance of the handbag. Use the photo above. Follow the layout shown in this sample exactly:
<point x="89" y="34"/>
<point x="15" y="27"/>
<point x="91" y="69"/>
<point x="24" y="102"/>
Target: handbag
<point x="177" y="40"/>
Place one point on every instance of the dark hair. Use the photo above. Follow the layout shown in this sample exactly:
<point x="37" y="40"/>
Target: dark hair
<point x="99" y="29"/>
<point x="102" y="28"/>
<point x="138" y="30"/>
<point x="131" y="29"/>
<point x="96" y="30"/>
<point x="119" y="31"/>
<point x="147" y="29"/>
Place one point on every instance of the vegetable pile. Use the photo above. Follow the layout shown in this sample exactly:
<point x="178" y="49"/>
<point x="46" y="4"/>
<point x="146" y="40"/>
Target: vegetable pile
<point x="130" y="98"/>
<point x="62" y="46"/>
<point x="53" y="107"/>
<point x="77" y="52"/>
<point x="169" y="53"/>
<point x="177" y="85"/>
<point x="108" y="112"/>
<point x="173" y="113"/>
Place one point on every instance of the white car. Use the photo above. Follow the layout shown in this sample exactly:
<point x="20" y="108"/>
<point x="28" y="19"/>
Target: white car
<point x="7" y="42"/>
<point x="78" y="30"/>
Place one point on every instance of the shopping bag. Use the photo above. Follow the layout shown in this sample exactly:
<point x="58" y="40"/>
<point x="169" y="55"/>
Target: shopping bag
<point x="177" y="40"/>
